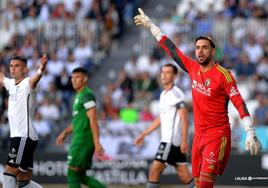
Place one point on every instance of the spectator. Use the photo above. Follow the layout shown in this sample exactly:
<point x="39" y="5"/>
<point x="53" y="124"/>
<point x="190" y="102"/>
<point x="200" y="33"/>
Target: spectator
<point x="43" y="130"/>
<point x="126" y="85"/>
<point x="244" y="68"/>
<point x="44" y="11"/>
<point x="253" y="50"/>
<point x="62" y="50"/>
<point x="71" y="63"/>
<point x="260" y="116"/>
<point x="83" y="53"/>
<point x="108" y="110"/>
<point x="262" y="68"/>
<point x="55" y="66"/>
<point x="131" y="67"/>
<point x="50" y="113"/>
<point x="4" y="132"/>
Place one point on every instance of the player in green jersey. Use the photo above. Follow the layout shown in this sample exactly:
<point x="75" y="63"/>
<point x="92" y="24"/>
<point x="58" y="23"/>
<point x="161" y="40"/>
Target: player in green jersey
<point x="84" y="127"/>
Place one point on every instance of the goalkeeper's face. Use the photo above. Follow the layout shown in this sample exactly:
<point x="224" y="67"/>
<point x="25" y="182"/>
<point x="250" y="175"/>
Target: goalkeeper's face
<point x="204" y="52"/>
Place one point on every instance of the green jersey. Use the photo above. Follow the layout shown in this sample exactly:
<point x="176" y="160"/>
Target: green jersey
<point x="83" y="101"/>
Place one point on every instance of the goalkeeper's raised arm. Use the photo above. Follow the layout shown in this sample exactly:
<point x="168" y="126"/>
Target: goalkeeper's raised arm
<point x="170" y="48"/>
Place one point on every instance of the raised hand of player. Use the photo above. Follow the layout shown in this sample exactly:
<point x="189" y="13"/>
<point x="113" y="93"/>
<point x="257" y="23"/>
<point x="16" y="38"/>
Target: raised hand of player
<point x="43" y="62"/>
<point x="139" y="141"/>
<point x="252" y="143"/>
<point x="142" y="19"/>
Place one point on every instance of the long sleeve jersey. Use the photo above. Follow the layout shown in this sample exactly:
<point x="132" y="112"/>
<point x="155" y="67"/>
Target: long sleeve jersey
<point x="211" y="92"/>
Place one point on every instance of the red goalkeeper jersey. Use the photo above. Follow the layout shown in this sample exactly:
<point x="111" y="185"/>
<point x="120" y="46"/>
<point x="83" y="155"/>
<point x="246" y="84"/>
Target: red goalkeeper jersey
<point x="211" y="92"/>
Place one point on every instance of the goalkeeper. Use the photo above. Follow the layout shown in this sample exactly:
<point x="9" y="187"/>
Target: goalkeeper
<point x="212" y="88"/>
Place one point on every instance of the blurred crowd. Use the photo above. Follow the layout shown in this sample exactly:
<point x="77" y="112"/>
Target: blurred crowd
<point x="72" y="33"/>
<point x="83" y="33"/>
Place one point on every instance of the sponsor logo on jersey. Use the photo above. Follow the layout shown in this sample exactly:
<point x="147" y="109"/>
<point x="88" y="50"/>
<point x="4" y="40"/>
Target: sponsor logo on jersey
<point x="201" y="88"/>
<point x="233" y="91"/>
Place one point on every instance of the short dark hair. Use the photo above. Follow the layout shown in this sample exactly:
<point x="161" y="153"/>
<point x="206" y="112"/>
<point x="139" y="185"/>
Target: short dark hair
<point x="80" y="70"/>
<point x="209" y="38"/>
<point x="174" y="68"/>
<point x="20" y="58"/>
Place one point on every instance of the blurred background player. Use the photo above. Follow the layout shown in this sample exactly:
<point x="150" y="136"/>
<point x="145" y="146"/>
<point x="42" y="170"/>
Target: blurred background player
<point x="212" y="88"/>
<point x="23" y="136"/>
<point x="85" y="131"/>
<point x="173" y="119"/>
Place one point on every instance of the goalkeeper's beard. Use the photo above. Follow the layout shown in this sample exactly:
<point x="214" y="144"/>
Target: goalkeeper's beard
<point x="206" y="62"/>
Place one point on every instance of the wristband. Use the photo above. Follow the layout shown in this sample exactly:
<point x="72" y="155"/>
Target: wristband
<point x="248" y="125"/>
<point x="156" y="32"/>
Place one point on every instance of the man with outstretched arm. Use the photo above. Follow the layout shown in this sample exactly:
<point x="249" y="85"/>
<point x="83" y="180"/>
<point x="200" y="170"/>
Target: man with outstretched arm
<point x="23" y="136"/>
<point x="212" y="88"/>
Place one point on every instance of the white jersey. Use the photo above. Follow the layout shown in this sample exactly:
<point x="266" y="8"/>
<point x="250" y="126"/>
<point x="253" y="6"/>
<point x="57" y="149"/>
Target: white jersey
<point x="20" y="108"/>
<point x="169" y="103"/>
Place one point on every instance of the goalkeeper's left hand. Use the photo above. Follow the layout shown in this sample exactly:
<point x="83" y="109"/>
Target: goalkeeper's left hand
<point x="252" y="142"/>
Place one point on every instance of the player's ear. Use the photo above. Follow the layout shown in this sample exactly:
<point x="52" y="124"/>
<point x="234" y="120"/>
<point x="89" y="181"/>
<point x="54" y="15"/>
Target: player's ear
<point x="85" y="79"/>
<point x="25" y="70"/>
<point x="213" y="51"/>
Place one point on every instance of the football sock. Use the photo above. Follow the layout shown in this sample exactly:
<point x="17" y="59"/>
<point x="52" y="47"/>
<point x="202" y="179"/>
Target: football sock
<point x="91" y="181"/>
<point x="9" y="180"/>
<point x="191" y="183"/>
<point x="73" y="179"/>
<point x="153" y="185"/>
<point x="28" y="184"/>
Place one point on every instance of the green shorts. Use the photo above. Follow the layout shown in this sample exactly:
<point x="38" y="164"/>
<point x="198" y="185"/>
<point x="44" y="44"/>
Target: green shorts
<point x="80" y="156"/>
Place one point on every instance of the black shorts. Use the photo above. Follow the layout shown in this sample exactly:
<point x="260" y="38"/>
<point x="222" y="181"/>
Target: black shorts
<point x="21" y="152"/>
<point x="170" y="154"/>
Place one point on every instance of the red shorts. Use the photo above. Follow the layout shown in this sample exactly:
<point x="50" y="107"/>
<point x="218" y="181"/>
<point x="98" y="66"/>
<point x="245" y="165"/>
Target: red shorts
<point x="210" y="153"/>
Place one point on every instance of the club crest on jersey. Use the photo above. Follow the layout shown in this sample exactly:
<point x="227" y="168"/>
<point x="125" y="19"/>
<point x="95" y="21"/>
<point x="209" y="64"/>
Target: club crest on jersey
<point x="207" y="82"/>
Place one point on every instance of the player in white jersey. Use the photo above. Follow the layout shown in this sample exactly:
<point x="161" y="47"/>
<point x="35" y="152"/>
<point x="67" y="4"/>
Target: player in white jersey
<point x="23" y="136"/>
<point x="173" y="119"/>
